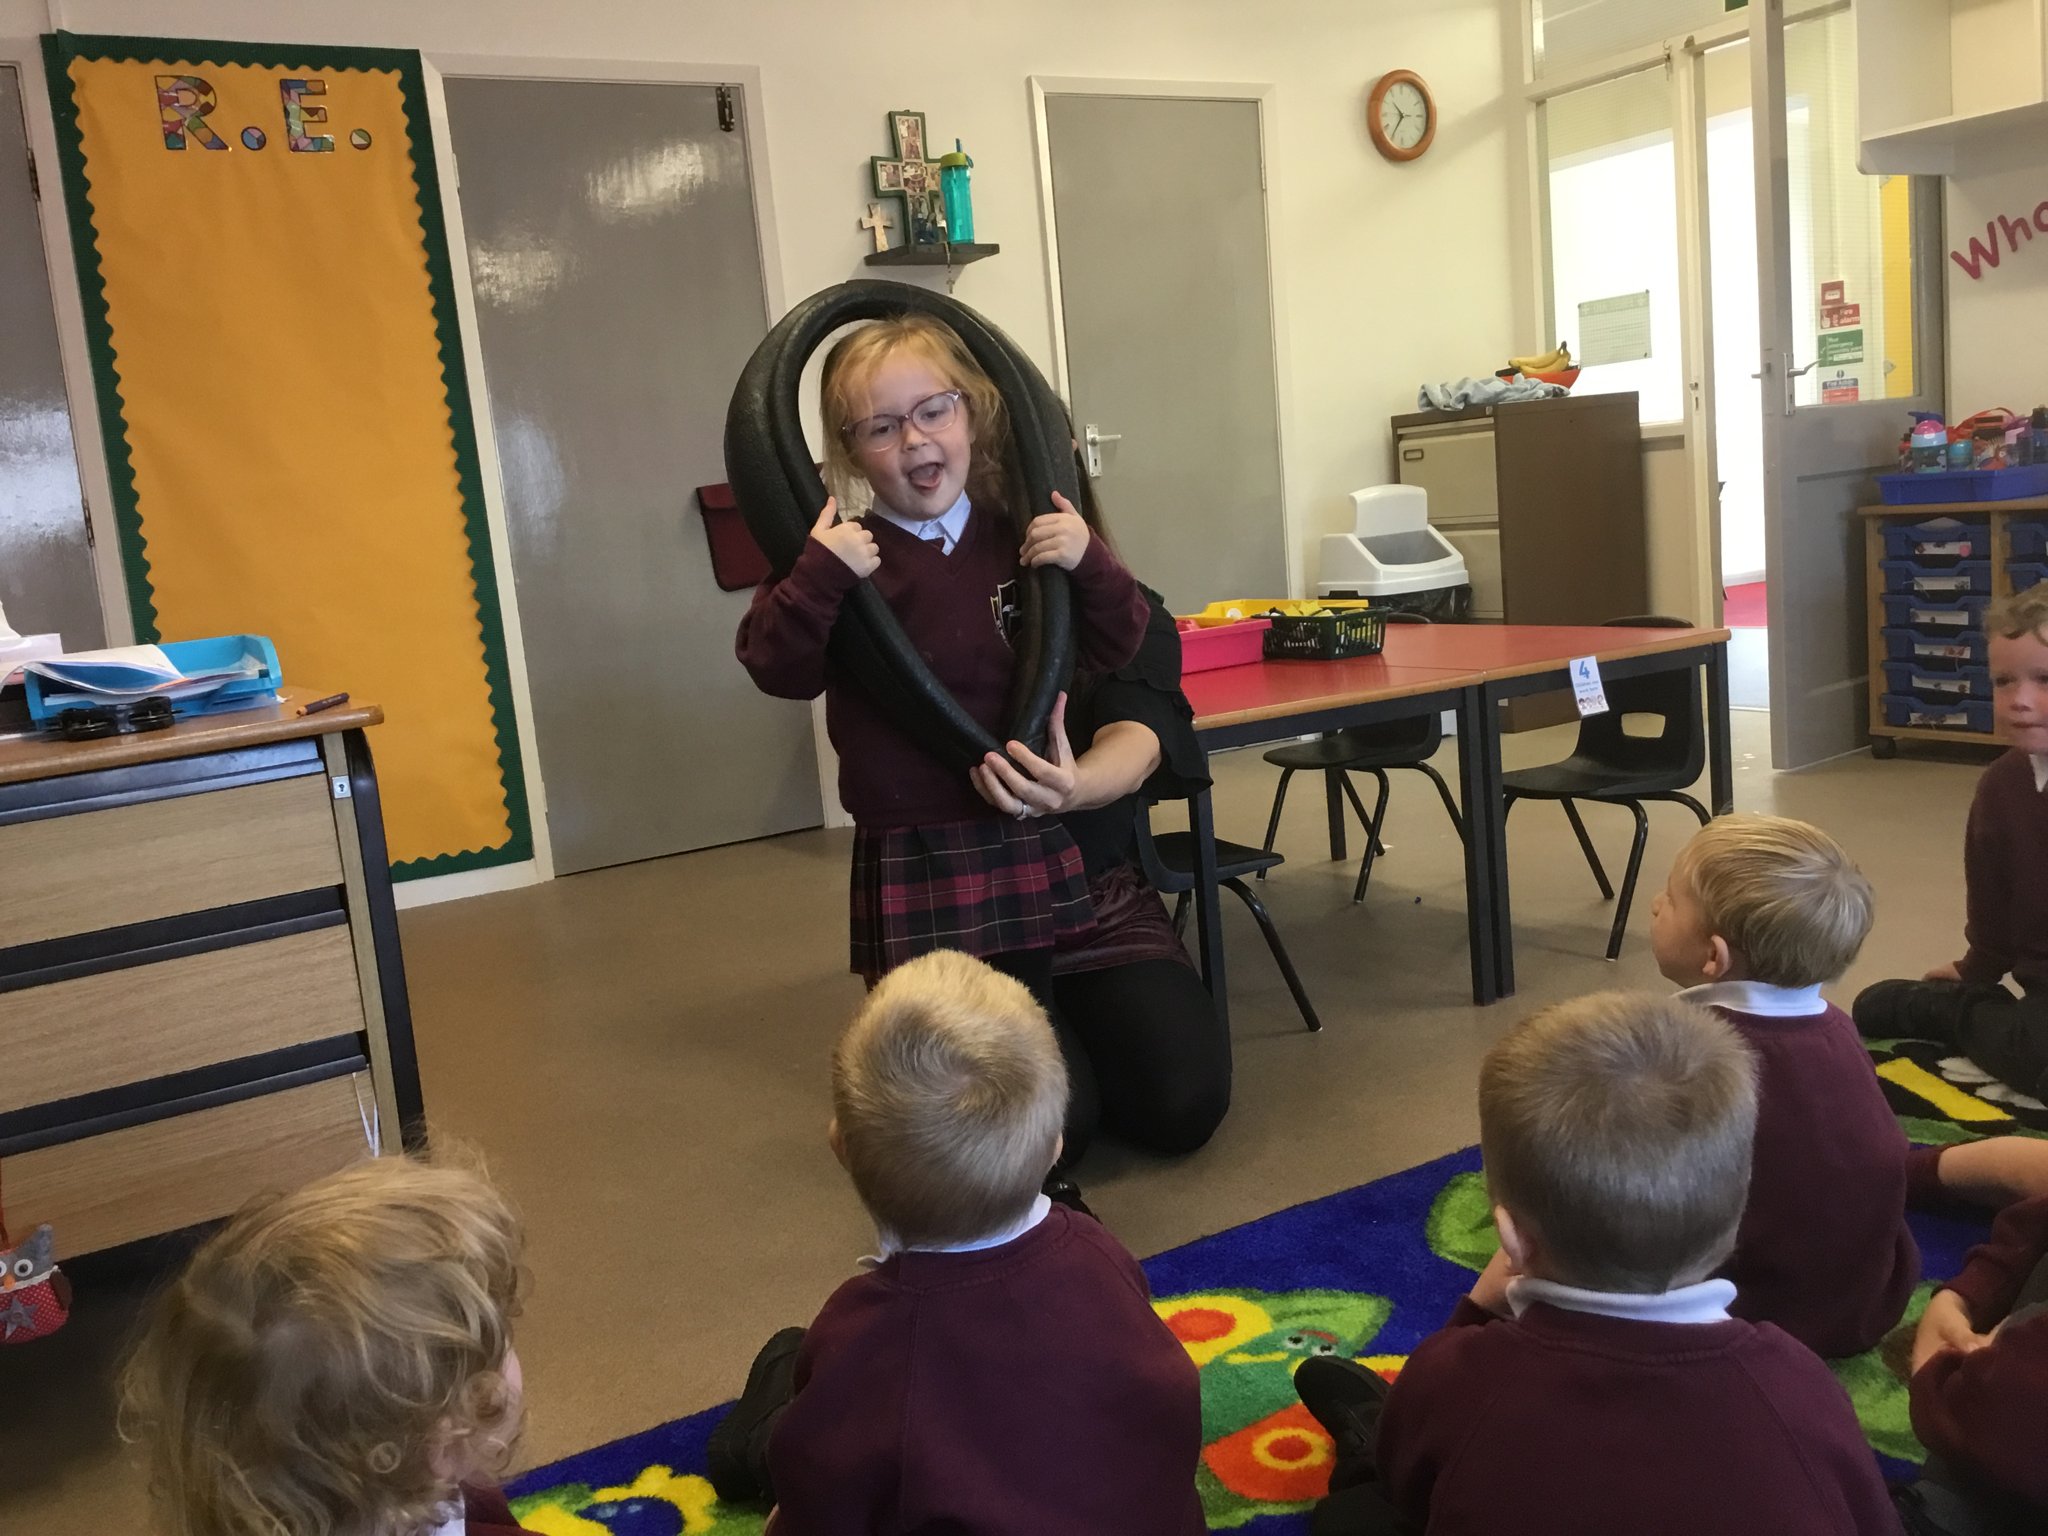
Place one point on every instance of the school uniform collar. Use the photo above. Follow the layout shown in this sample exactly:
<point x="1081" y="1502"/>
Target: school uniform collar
<point x="457" y="1524"/>
<point x="943" y="530"/>
<point x="2040" y="762"/>
<point x="1760" y="998"/>
<point x="890" y="1247"/>
<point x="1704" y="1302"/>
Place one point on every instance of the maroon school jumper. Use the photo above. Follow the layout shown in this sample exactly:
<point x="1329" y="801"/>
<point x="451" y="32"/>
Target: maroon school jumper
<point x="1022" y="1390"/>
<point x="1578" y="1425"/>
<point x="1823" y="1251"/>
<point x="966" y="877"/>
<point x="2005" y="874"/>
<point x="486" y="1513"/>
<point x="1983" y="1412"/>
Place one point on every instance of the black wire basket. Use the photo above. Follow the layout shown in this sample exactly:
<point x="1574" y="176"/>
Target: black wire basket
<point x="1328" y="636"/>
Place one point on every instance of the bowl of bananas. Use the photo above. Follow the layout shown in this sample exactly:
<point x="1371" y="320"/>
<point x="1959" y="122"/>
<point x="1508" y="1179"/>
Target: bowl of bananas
<point x="1552" y="367"/>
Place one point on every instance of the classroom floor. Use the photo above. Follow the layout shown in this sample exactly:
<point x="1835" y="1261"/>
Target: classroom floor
<point x="641" y="1054"/>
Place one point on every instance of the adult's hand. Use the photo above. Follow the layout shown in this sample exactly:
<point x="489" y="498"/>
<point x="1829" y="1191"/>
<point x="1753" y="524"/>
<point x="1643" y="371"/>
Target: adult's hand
<point x="851" y="542"/>
<point x="1045" y="787"/>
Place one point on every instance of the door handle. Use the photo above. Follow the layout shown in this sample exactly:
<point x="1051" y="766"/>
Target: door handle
<point x="1794" y="373"/>
<point x="1092" y="439"/>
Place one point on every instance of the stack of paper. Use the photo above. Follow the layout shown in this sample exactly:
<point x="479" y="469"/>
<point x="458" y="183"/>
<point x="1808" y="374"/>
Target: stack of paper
<point x="130" y="673"/>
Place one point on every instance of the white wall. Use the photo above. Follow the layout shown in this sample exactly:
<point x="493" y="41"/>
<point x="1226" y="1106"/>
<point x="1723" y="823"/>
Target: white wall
<point x="1998" y="321"/>
<point x="1390" y="275"/>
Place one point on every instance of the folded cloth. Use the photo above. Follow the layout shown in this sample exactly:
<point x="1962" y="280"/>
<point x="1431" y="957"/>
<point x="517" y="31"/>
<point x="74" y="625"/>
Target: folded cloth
<point x="1470" y="392"/>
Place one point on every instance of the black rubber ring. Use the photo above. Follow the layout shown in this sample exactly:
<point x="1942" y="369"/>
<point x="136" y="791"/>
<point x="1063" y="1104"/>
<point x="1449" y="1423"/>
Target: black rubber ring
<point x="776" y="485"/>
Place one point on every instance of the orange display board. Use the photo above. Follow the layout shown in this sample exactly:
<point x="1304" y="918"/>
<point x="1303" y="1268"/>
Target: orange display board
<point x="270" y="301"/>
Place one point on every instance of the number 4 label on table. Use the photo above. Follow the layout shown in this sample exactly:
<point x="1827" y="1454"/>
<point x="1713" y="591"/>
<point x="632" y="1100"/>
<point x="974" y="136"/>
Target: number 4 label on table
<point x="1592" y="698"/>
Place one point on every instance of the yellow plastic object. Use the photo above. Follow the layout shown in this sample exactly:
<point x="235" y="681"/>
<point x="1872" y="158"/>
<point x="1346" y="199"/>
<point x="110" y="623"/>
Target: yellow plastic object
<point x="1230" y="610"/>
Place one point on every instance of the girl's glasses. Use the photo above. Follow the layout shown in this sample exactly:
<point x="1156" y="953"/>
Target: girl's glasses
<point x="934" y="413"/>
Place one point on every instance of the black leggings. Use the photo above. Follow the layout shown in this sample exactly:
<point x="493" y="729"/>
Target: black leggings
<point x="1146" y="1055"/>
<point x="2008" y="1037"/>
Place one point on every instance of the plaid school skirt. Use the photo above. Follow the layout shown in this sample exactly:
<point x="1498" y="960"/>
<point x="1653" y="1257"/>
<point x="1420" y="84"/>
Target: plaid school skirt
<point x="986" y="887"/>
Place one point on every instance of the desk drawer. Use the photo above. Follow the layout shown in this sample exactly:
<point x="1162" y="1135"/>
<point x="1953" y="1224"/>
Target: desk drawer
<point x="153" y="1178"/>
<point x="143" y="1021"/>
<point x="133" y="863"/>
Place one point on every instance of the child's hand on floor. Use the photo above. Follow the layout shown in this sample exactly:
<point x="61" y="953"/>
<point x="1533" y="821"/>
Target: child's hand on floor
<point x="849" y="541"/>
<point x="1945" y="1325"/>
<point x="1943" y="973"/>
<point x="1057" y="538"/>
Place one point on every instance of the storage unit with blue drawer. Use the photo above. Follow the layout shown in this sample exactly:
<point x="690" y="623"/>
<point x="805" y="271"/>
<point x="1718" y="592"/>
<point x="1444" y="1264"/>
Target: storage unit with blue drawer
<point x="1933" y="570"/>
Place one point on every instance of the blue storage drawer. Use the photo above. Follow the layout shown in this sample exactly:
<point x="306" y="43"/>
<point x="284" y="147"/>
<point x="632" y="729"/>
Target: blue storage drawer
<point x="1962" y="715"/>
<point x="1963" y="578"/>
<point x="2025" y="573"/>
<point x="1965" y="648"/>
<point x="1933" y="615"/>
<point x="1940" y="683"/>
<point x="1938" y="541"/>
<point x="2024" y="541"/>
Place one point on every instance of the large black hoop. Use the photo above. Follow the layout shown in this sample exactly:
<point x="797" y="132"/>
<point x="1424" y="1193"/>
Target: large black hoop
<point x="778" y="490"/>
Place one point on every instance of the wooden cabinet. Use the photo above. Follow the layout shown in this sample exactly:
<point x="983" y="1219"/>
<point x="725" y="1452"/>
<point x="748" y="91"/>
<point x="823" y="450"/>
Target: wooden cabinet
<point x="1545" y="501"/>
<point x="201" y="991"/>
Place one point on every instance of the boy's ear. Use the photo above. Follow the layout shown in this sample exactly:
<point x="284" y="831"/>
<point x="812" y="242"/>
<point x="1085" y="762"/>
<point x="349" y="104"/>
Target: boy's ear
<point x="1720" y="964"/>
<point x="837" y="1142"/>
<point x="1514" y="1240"/>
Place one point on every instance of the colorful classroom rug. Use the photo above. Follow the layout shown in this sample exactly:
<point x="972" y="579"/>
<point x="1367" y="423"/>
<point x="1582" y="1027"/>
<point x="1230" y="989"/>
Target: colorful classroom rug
<point x="1368" y="1272"/>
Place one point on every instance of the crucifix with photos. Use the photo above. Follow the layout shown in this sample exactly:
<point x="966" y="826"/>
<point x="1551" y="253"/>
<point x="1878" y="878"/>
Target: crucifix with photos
<point x="912" y="178"/>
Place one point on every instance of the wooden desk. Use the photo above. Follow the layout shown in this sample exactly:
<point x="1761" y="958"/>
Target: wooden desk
<point x="1467" y="669"/>
<point x="201" y="990"/>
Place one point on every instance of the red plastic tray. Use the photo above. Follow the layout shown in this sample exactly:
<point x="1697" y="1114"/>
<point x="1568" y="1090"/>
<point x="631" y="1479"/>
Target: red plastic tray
<point x="1224" y="645"/>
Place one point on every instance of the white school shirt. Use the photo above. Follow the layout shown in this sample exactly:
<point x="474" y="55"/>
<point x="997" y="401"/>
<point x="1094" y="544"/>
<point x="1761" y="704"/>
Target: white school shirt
<point x="1040" y="1209"/>
<point x="2040" y="761"/>
<point x="943" y="530"/>
<point x="1703" y="1302"/>
<point x="1760" y="998"/>
<point x="456" y="1525"/>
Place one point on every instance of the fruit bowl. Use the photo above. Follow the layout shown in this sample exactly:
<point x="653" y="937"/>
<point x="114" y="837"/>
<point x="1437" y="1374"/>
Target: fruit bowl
<point x="1566" y="377"/>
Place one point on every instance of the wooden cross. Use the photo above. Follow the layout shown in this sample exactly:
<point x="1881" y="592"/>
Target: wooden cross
<point x="879" y="223"/>
<point x="909" y="176"/>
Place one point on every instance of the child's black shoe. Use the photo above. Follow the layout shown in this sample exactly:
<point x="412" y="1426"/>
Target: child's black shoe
<point x="736" y="1459"/>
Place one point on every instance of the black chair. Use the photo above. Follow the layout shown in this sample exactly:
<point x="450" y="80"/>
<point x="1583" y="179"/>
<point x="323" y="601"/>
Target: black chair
<point x="1169" y="863"/>
<point x="1372" y="749"/>
<point x="1613" y="767"/>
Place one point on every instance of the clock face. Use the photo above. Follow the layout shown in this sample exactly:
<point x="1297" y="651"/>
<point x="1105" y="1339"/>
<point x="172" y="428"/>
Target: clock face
<point x="1404" y="115"/>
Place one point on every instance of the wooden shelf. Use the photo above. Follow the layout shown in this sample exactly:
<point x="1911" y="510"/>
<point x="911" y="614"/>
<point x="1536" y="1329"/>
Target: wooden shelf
<point x="1937" y="733"/>
<point x="943" y="254"/>
<point x="1958" y="508"/>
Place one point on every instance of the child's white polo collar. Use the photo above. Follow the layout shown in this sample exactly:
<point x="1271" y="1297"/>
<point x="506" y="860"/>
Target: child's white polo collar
<point x="1703" y="1302"/>
<point x="890" y="1247"/>
<point x="943" y="530"/>
<point x="2040" y="761"/>
<point x="1758" y="997"/>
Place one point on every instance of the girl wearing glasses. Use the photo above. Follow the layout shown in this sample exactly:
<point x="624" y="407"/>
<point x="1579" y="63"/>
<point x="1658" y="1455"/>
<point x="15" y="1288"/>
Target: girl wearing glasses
<point x="909" y="412"/>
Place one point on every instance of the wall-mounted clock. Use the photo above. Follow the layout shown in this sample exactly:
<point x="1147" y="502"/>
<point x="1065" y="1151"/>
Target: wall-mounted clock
<point x="1401" y="115"/>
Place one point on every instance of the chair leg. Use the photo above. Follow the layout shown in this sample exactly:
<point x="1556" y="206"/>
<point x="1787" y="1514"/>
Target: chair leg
<point x="1372" y="827"/>
<point x="1273" y="821"/>
<point x="1265" y="922"/>
<point x="1628" y="881"/>
<point x="1691" y="805"/>
<point x="1444" y="794"/>
<point x="1180" y="913"/>
<point x="1571" y="812"/>
<point x="1372" y="843"/>
<point x="1334" y="785"/>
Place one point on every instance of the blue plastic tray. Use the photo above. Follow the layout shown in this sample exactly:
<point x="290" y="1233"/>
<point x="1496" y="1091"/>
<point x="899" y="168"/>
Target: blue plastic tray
<point x="1932" y="615"/>
<point x="1963" y="578"/>
<point x="1955" y="648"/>
<point x="2024" y="541"/>
<point x="1963" y="715"/>
<point x="1937" y="684"/>
<point x="1914" y="489"/>
<point x="1939" y="540"/>
<point x="2025" y="573"/>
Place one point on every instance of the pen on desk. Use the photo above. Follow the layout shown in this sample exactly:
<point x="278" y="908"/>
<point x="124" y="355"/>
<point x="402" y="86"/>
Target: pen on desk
<point x="329" y="702"/>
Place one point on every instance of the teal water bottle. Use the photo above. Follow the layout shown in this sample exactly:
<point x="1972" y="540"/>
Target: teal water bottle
<point x="955" y="169"/>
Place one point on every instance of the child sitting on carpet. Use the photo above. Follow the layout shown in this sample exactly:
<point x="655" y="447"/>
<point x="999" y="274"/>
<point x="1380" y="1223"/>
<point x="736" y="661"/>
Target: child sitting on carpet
<point x="1000" y="1369"/>
<point x="338" y="1359"/>
<point x="1757" y="913"/>
<point x="1617" y="1394"/>
<point x="1980" y="1389"/>
<point x="2005" y="876"/>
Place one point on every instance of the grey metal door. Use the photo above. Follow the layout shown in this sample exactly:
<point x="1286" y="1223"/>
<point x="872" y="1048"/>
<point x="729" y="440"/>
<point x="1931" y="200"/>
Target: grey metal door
<point x="1160" y="209"/>
<point x="46" y="577"/>
<point x="613" y="249"/>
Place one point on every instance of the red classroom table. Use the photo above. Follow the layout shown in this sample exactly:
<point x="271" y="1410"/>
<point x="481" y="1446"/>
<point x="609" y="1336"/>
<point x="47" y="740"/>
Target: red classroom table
<point x="1425" y="669"/>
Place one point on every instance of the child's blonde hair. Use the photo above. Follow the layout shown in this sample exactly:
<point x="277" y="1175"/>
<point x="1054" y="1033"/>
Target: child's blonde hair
<point x="851" y="364"/>
<point x="329" y="1354"/>
<point x="1616" y="1130"/>
<point x="1787" y="897"/>
<point x="949" y="1092"/>
<point x="2024" y="612"/>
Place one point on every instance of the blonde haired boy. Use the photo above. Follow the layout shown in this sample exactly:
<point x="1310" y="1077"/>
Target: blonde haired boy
<point x="1614" y="1392"/>
<point x="1000" y="1369"/>
<point x="1758" y="913"/>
